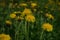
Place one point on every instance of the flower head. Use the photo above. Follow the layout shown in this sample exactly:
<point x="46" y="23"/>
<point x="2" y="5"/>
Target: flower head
<point x="8" y="22"/>
<point x="13" y="15"/>
<point x="30" y="18"/>
<point x="26" y="11"/>
<point x="33" y="5"/>
<point x="49" y="16"/>
<point x="48" y="27"/>
<point x="4" y="37"/>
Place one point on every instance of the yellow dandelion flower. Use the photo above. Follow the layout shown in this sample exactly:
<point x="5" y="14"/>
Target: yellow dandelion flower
<point x="48" y="27"/>
<point x="8" y="22"/>
<point x="12" y="15"/>
<point x="33" y="5"/>
<point x="23" y="4"/>
<point x="49" y="16"/>
<point x="26" y="11"/>
<point x="4" y="37"/>
<point x="30" y="18"/>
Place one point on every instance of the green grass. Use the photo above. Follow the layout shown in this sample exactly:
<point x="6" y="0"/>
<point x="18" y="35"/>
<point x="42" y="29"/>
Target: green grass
<point x="23" y="30"/>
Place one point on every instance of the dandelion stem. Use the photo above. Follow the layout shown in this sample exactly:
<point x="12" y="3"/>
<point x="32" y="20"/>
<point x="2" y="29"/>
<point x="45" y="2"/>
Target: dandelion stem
<point x="41" y="35"/>
<point x="26" y="32"/>
<point x="15" y="30"/>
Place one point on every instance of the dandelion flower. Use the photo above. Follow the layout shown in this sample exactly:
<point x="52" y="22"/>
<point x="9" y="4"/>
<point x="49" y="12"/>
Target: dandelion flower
<point x="13" y="15"/>
<point x="30" y="18"/>
<point x="48" y="27"/>
<point x="26" y="11"/>
<point x="49" y="16"/>
<point x="8" y="22"/>
<point x="4" y="37"/>
<point x="33" y="5"/>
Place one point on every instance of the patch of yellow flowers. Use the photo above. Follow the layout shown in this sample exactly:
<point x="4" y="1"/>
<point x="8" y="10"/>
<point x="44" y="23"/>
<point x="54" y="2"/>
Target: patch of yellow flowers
<point x="5" y="37"/>
<point x="29" y="17"/>
<point x="48" y="27"/>
<point x="27" y="14"/>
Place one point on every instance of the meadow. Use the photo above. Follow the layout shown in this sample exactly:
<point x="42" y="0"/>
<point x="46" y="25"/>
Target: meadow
<point x="30" y="20"/>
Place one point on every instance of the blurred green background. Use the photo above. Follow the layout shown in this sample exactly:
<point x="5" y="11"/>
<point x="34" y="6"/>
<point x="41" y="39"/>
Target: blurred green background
<point x="34" y="29"/>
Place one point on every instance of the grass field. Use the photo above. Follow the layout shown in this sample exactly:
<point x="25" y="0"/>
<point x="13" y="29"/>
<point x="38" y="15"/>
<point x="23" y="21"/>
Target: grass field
<point x="30" y="20"/>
